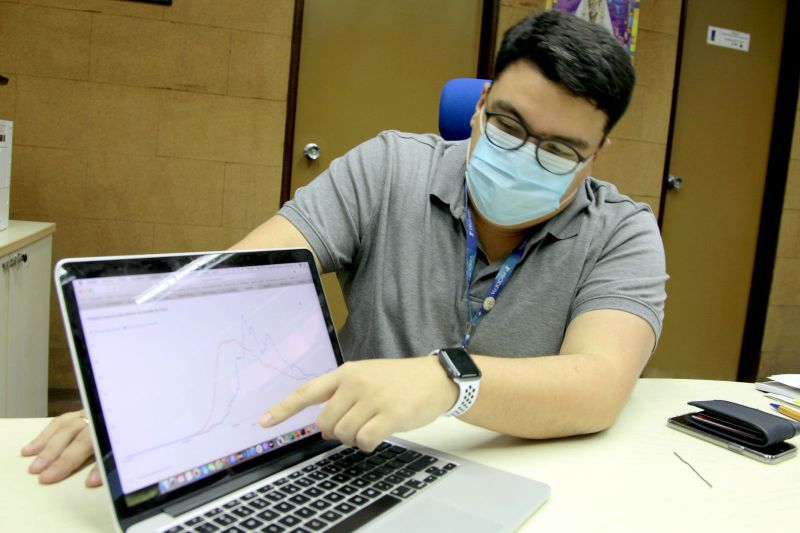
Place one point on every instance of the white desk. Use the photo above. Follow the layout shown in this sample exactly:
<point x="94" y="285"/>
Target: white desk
<point x="625" y="479"/>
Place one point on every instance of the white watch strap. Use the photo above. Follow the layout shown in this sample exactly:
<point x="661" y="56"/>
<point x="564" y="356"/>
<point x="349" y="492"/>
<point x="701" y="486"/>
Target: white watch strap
<point x="467" y="394"/>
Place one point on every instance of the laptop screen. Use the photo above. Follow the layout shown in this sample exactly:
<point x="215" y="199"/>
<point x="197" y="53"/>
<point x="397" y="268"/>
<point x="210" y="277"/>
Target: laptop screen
<point x="184" y="361"/>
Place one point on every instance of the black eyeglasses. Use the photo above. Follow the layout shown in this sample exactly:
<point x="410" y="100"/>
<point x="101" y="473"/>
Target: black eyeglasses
<point x="554" y="155"/>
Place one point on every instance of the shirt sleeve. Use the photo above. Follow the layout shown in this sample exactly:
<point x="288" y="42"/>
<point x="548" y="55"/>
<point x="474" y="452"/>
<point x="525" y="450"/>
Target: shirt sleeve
<point x="629" y="274"/>
<point x="335" y="209"/>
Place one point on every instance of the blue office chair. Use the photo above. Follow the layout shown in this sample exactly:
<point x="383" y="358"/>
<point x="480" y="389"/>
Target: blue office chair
<point x="456" y="106"/>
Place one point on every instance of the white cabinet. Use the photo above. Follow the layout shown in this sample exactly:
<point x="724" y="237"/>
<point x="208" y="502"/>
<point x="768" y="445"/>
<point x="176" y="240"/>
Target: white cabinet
<point x="25" y="266"/>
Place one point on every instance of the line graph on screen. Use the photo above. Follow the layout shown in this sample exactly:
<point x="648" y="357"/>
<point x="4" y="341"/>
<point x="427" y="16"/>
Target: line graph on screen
<point x="196" y="376"/>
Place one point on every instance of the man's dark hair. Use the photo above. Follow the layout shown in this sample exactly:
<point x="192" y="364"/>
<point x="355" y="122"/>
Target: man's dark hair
<point x="582" y="57"/>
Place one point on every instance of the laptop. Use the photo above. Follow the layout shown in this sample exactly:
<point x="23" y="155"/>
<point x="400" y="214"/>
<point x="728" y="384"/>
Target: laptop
<point x="178" y="355"/>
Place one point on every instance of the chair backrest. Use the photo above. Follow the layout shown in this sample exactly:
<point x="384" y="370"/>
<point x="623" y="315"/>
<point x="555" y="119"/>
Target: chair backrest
<point x="456" y="106"/>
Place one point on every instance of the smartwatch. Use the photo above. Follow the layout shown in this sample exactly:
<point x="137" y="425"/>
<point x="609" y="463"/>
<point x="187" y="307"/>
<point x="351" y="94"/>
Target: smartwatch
<point x="465" y="373"/>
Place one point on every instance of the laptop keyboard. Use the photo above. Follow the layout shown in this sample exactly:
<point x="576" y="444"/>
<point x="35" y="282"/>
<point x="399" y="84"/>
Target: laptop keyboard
<point x="341" y="492"/>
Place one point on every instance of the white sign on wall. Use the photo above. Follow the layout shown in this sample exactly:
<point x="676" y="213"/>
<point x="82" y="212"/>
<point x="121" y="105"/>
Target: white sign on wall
<point x="728" y="38"/>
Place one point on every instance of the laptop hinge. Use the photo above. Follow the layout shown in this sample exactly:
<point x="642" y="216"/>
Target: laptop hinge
<point x="180" y="507"/>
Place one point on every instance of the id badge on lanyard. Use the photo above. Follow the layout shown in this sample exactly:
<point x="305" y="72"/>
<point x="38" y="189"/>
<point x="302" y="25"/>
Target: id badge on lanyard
<point x="500" y="280"/>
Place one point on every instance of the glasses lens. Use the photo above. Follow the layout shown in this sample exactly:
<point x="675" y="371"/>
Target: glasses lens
<point x="557" y="157"/>
<point x="505" y="132"/>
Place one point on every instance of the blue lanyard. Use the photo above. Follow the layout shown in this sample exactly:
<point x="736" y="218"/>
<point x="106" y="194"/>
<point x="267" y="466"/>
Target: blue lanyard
<point x="500" y="280"/>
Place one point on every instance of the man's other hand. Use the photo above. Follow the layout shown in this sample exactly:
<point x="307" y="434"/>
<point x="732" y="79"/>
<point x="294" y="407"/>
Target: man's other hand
<point x="62" y="448"/>
<point x="370" y="400"/>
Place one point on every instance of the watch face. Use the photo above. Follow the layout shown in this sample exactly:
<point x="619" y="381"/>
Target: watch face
<point x="462" y="362"/>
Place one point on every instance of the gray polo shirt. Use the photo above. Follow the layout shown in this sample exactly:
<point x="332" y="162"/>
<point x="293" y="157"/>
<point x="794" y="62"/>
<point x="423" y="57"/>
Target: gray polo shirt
<point x="388" y="217"/>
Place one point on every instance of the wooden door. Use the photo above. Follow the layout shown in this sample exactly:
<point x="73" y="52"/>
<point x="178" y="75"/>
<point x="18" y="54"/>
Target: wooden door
<point x="373" y="65"/>
<point x="720" y="146"/>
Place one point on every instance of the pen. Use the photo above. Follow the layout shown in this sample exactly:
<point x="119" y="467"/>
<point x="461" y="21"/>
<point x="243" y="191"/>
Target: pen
<point x="787" y="411"/>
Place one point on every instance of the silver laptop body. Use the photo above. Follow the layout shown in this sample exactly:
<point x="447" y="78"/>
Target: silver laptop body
<point x="176" y="358"/>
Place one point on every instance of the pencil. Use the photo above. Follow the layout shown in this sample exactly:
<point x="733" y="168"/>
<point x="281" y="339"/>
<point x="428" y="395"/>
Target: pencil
<point x="787" y="411"/>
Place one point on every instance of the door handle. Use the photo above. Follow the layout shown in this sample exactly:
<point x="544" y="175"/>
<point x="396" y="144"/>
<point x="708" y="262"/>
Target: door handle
<point x="15" y="260"/>
<point x="312" y="151"/>
<point x="674" y="182"/>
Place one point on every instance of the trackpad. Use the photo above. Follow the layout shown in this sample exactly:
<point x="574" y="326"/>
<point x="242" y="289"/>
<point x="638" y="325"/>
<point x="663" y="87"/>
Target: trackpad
<point x="434" y="515"/>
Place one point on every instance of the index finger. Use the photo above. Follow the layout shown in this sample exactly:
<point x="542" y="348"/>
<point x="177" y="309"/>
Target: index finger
<point x="54" y="426"/>
<point x="316" y="391"/>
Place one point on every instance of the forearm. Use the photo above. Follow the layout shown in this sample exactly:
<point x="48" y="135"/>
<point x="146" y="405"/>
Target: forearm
<point x="277" y="232"/>
<point x="533" y="397"/>
<point x="550" y="396"/>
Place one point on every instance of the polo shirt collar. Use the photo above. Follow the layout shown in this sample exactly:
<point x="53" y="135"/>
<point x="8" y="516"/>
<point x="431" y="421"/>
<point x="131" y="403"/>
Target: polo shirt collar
<point x="448" y="185"/>
<point x="568" y="222"/>
<point x="451" y="192"/>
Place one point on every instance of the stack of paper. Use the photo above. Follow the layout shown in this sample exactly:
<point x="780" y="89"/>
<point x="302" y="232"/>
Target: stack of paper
<point x="784" y="389"/>
<point x="787" y="386"/>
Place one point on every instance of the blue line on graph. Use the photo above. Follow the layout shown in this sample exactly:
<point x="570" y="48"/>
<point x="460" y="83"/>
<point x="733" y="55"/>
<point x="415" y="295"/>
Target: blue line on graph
<point x="263" y="348"/>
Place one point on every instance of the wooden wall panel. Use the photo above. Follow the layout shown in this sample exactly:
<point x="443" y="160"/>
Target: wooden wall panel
<point x="143" y="128"/>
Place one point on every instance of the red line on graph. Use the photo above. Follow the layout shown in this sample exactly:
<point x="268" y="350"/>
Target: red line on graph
<point x="216" y="377"/>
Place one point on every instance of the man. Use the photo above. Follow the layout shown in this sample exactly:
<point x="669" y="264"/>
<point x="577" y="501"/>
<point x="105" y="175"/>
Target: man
<point x="560" y="298"/>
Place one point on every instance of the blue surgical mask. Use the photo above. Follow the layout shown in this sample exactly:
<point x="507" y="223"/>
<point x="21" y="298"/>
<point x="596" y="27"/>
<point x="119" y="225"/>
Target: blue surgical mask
<point x="510" y="187"/>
